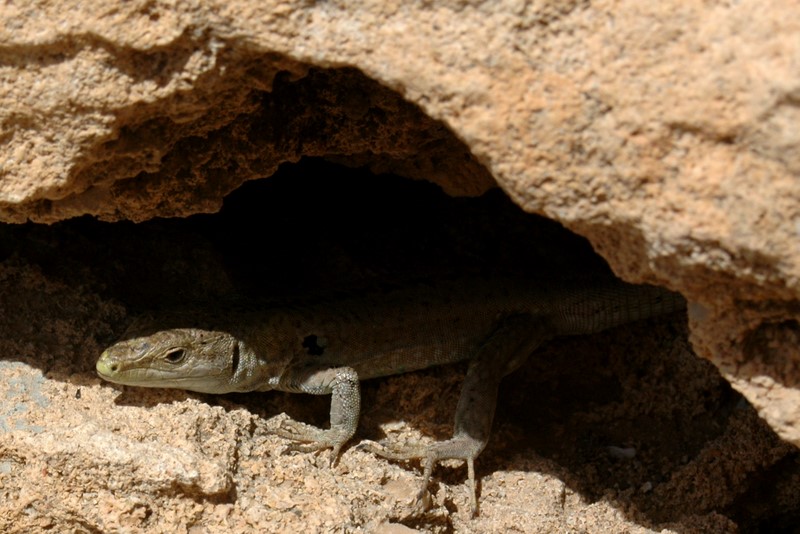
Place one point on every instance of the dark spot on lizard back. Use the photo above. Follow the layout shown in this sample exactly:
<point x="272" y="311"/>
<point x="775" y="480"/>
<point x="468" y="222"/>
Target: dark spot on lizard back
<point x="314" y="346"/>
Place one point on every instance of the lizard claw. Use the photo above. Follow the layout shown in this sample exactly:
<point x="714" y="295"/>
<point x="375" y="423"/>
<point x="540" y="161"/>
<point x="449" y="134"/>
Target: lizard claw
<point x="459" y="448"/>
<point x="314" y="447"/>
<point x="311" y="438"/>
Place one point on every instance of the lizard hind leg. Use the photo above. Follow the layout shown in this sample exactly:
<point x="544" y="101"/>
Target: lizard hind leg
<point x="512" y="341"/>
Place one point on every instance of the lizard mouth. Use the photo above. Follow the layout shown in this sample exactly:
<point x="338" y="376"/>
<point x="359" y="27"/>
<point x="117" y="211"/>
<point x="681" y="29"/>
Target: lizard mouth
<point x="113" y="370"/>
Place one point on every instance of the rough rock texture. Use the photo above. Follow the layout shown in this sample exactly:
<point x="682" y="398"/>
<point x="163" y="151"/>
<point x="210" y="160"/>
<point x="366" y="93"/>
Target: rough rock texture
<point x="666" y="133"/>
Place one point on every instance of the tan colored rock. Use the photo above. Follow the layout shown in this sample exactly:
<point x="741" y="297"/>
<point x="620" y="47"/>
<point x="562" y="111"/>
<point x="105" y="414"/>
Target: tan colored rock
<point x="666" y="133"/>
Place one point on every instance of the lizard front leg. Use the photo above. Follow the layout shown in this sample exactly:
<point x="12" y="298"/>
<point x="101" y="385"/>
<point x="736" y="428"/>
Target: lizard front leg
<point x="503" y="352"/>
<point x="343" y="386"/>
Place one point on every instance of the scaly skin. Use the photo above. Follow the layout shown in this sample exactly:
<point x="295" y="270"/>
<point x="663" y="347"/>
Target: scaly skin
<point x="327" y="347"/>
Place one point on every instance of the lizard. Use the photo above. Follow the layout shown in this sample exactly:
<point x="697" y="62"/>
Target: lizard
<point x="327" y="347"/>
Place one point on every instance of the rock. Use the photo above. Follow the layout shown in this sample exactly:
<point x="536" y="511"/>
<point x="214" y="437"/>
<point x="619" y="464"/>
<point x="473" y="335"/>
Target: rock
<point x="665" y="133"/>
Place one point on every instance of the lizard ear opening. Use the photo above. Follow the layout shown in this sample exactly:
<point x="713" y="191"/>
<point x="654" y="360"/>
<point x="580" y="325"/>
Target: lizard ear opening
<point x="175" y="356"/>
<point x="235" y="359"/>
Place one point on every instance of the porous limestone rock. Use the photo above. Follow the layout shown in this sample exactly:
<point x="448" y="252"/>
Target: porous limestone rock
<point x="667" y="133"/>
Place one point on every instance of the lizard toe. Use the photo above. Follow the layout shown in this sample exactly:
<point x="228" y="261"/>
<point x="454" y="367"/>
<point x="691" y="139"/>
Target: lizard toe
<point x="406" y="452"/>
<point x="457" y="448"/>
<point x="309" y="438"/>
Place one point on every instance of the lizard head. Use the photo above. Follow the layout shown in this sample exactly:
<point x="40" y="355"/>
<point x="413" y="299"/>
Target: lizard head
<point x="183" y="358"/>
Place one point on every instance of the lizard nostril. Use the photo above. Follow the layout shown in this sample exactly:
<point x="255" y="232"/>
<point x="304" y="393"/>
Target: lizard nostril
<point x="107" y="367"/>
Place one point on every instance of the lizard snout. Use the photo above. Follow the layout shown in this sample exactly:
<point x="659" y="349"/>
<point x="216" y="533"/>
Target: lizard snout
<point x="106" y="365"/>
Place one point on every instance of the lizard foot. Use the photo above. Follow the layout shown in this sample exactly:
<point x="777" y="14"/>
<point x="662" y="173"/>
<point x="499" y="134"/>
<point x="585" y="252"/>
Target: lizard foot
<point x="311" y="438"/>
<point x="456" y="448"/>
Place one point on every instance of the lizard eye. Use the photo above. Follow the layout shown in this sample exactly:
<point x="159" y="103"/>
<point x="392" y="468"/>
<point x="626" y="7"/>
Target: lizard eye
<point x="175" y="356"/>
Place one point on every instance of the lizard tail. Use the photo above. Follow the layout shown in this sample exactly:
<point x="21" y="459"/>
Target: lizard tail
<point x="590" y="310"/>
